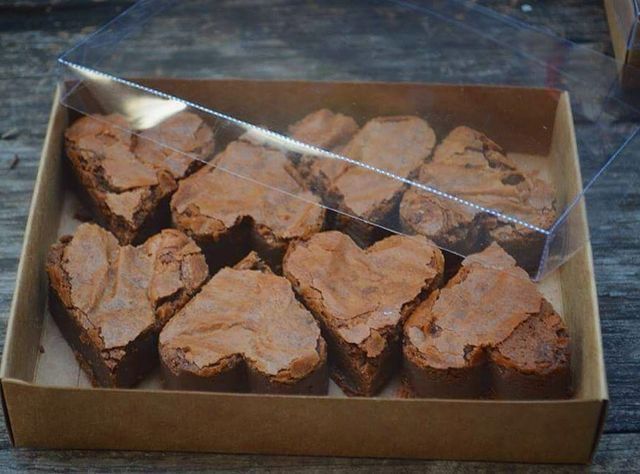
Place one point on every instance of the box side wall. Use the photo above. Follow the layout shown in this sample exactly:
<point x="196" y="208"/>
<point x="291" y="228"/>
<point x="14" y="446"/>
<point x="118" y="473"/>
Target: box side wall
<point x="25" y="319"/>
<point x="163" y="420"/>
<point x="443" y="106"/>
<point x="579" y="292"/>
<point x="565" y="163"/>
<point x="620" y="16"/>
<point x="624" y="27"/>
<point x="580" y="299"/>
<point x="578" y="283"/>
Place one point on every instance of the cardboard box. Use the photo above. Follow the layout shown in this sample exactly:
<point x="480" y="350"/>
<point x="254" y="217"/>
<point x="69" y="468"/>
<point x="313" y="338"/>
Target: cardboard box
<point x="48" y="402"/>
<point x="623" y="18"/>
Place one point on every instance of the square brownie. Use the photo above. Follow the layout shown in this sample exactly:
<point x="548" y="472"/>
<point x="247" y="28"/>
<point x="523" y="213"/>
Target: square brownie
<point x="127" y="178"/>
<point x="111" y="301"/>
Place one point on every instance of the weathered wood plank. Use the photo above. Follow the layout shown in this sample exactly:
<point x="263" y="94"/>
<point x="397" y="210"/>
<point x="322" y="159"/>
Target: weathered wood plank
<point x="615" y="455"/>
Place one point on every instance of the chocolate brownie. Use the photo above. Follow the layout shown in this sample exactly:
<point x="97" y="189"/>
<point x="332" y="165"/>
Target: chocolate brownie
<point x="361" y="298"/>
<point x="111" y="301"/>
<point x="245" y="331"/>
<point x="252" y="261"/>
<point x="488" y="333"/>
<point x="329" y="131"/>
<point x="470" y="166"/>
<point x="252" y="199"/>
<point x="126" y="177"/>
<point x="397" y="145"/>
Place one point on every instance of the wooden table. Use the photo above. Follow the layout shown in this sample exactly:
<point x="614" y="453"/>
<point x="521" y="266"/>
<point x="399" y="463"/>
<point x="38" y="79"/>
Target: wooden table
<point x="33" y="32"/>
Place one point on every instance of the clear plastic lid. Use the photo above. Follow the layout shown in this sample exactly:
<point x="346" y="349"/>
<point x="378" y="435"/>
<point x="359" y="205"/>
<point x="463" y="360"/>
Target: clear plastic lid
<point x="439" y="118"/>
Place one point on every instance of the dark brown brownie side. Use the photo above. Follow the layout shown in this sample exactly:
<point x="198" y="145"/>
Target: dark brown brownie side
<point x="353" y="368"/>
<point x="522" y="243"/>
<point x="424" y="378"/>
<point x="109" y="314"/>
<point x="233" y="374"/>
<point x="533" y="363"/>
<point x="222" y="246"/>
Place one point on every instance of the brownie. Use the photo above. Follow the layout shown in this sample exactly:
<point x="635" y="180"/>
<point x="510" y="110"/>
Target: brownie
<point x="251" y="200"/>
<point x="252" y="261"/>
<point x="327" y="130"/>
<point x="111" y="301"/>
<point x="534" y="361"/>
<point x="397" y="145"/>
<point x="361" y="298"/>
<point x="127" y="177"/>
<point x="488" y="333"/>
<point x="470" y="166"/>
<point x="244" y="332"/>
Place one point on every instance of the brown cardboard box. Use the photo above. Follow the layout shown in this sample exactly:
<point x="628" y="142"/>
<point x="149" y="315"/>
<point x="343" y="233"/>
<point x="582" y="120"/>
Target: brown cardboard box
<point x="623" y="19"/>
<point x="48" y="401"/>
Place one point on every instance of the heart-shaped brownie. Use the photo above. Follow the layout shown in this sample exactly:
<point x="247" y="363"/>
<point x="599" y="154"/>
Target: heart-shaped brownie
<point x="128" y="177"/>
<point x="245" y="331"/>
<point x="468" y="165"/>
<point x="251" y="199"/>
<point x="488" y="332"/>
<point x="329" y="131"/>
<point x="361" y="297"/>
<point x="111" y="301"/>
<point x="396" y="145"/>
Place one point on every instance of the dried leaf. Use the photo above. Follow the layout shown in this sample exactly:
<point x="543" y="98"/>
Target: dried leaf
<point x="10" y="134"/>
<point x="14" y="162"/>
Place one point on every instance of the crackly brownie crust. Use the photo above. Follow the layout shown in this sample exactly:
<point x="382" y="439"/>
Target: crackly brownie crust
<point x="244" y="332"/>
<point x="327" y="130"/>
<point x="361" y="297"/>
<point x="487" y="333"/>
<point x="469" y="165"/>
<point x="252" y="199"/>
<point x="128" y="178"/>
<point x="324" y="129"/>
<point x="398" y="145"/>
<point x="111" y="301"/>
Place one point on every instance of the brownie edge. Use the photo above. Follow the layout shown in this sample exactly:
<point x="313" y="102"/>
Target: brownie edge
<point x="233" y="374"/>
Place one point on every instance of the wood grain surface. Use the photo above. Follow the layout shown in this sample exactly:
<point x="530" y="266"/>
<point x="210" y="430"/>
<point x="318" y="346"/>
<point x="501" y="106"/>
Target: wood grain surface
<point x="34" y="32"/>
